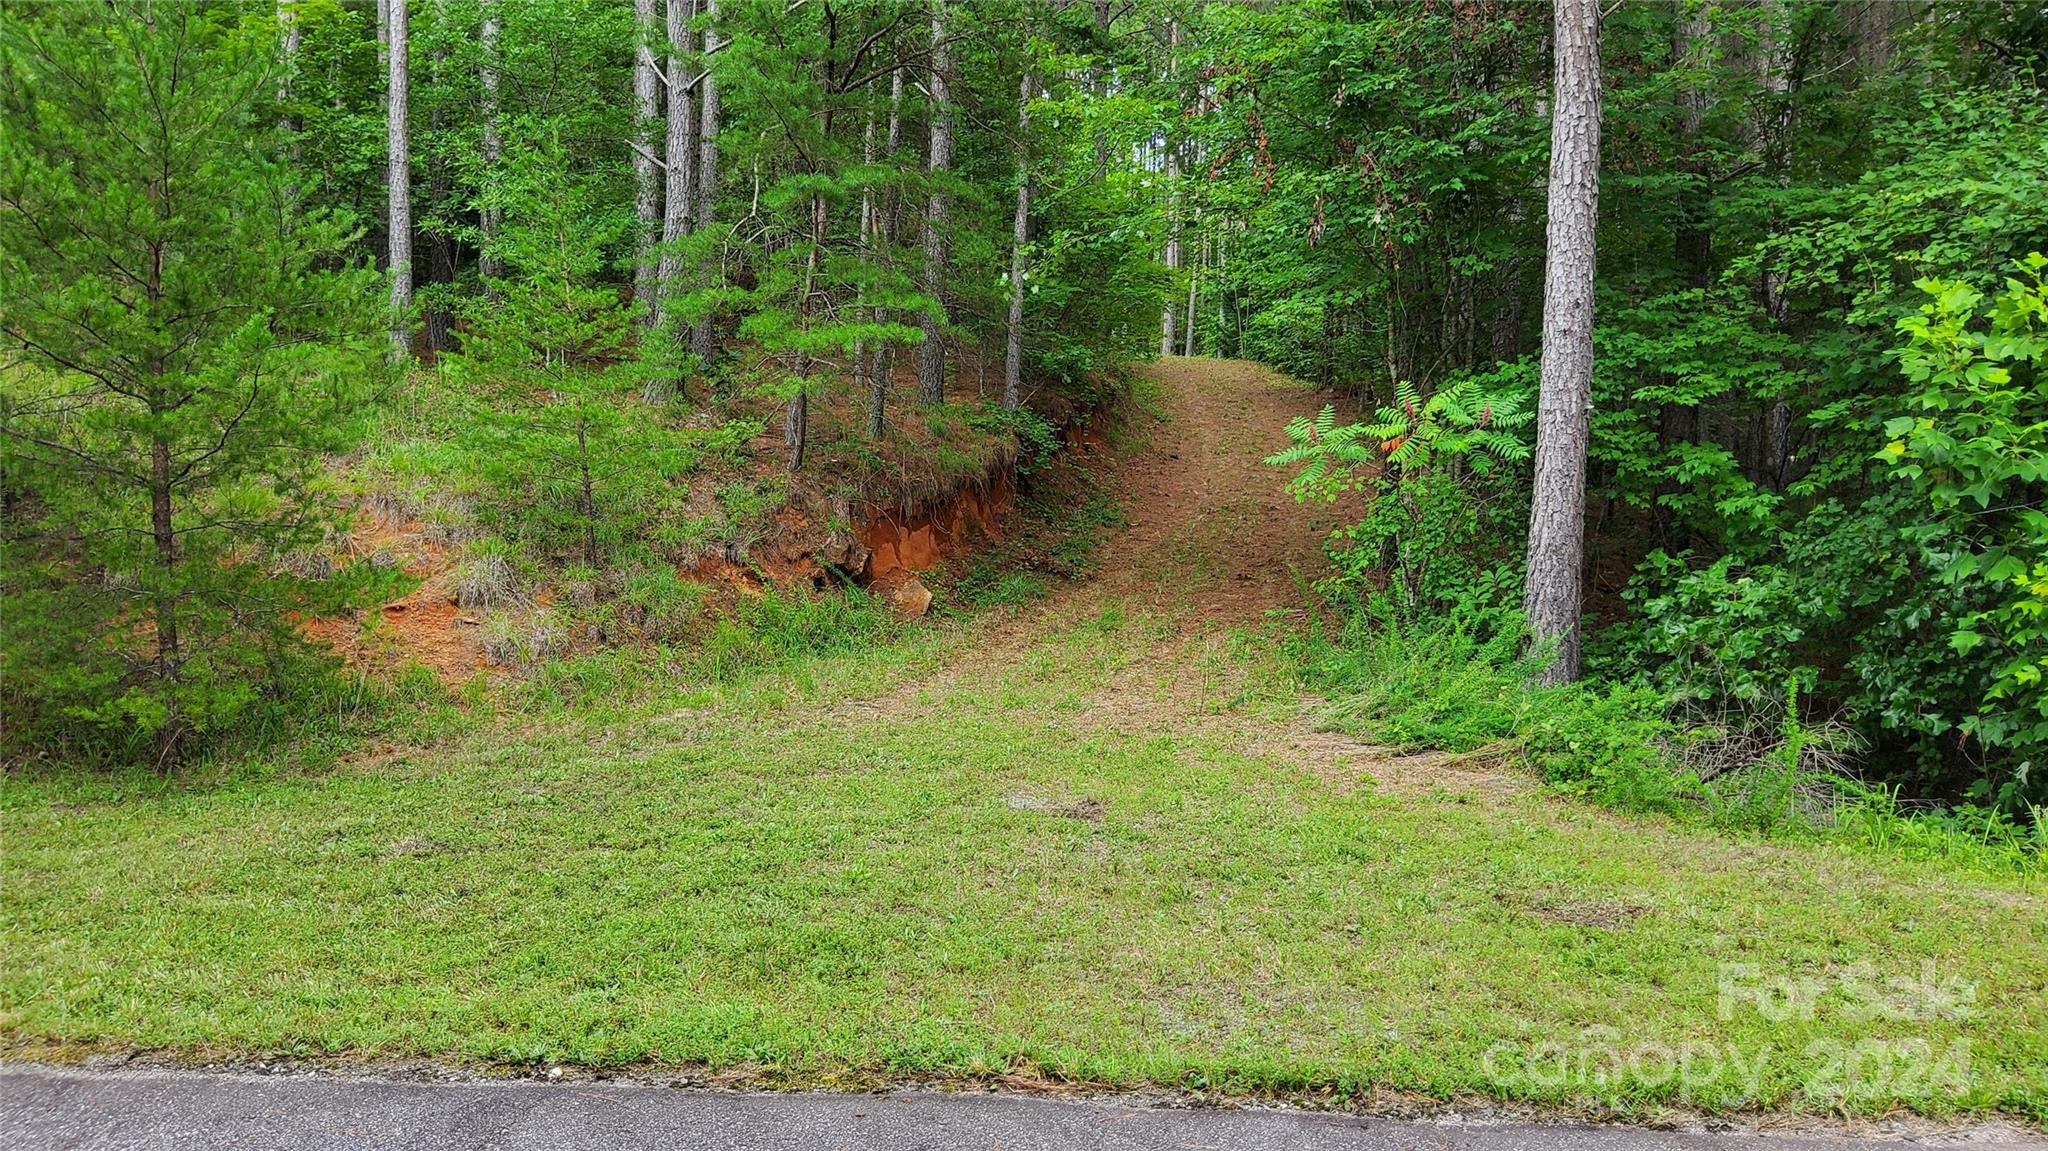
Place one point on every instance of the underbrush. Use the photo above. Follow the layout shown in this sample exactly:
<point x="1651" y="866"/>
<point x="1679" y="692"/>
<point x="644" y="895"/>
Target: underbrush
<point x="758" y="636"/>
<point x="1475" y="695"/>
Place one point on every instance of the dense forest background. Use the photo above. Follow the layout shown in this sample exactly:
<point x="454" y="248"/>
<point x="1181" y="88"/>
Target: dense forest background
<point x="545" y="274"/>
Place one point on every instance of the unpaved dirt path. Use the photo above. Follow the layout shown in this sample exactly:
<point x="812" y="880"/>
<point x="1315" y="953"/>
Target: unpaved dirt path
<point x="1212" y="531"/>
<point x="1214" y="550"/>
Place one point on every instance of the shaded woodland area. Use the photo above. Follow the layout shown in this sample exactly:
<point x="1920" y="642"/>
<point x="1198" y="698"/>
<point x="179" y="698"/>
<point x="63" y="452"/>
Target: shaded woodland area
<point x="1731" y="311"/>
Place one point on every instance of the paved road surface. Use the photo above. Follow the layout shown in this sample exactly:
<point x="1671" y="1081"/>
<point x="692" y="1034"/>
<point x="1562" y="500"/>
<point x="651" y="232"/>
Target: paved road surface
<point x="47" y="1108"/>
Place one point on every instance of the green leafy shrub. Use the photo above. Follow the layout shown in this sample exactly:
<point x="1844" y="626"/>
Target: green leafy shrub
<point x="1973" y="450"/>
<point x="1442" y="526"/>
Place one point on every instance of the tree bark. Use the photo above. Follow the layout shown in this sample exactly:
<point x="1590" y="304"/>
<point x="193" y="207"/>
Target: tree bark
<point x="1020" y="234"/>
<point x="885" y="230"/>
<point x="439" y="324"/>
<point x="1167" y="323"/>
<point x="488" y="263"/>
<point x="398" y="178"/>
<point x="681" y="155"/>
<point x="864" y="235"/>
<point x="164" y="533"/>
<point x="646" y="187"/>
<point x="701" y="346"/>
<point x="1173" y="255"/>
<point x="1552" y="596"/>
<point x="797" y="422"/>
<point x="1097" y="85"/>
<point x="931" y="355"/>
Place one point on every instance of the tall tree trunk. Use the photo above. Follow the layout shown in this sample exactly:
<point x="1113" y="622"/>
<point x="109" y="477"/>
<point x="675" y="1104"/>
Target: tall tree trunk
<point x="864" y="236"/>
<point x="488" y="263"/>
<point x="646" y="187"/>
<point x="287" y="80"/>
<point x="1167" y="324"/>
<point x="1173" y="256"/>
<point x="885" y="230"/>
<point x="1552" y="597"/>
<point x="1020" y="234"/>
<point x="1194" y="269"/>
<point x="440" y="244"/>
<point x="701" y="347"/>
<point x="681" y="155"/>
<point x="797" y="422"/>
<point x="931" y="355"/>
<point x="163" y="525"/>
<point x="1098" y="85"/>
<point x="398" y="179"/>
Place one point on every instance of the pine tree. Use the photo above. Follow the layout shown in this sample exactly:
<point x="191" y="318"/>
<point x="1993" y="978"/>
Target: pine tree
<point x="186" y="344"/>
<point x="1552" y="594"/>
<point x="398" y="178"/>
<point x="646" y="184"/>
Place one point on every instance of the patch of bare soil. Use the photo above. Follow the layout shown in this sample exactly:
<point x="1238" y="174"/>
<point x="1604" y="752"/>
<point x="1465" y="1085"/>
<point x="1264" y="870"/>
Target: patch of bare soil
<point x="425" y="625"/>
<point x="1213" y="545"/>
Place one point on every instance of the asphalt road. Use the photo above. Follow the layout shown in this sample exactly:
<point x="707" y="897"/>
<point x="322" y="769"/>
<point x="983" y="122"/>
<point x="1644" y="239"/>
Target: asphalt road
<point x="46" y="1107"/>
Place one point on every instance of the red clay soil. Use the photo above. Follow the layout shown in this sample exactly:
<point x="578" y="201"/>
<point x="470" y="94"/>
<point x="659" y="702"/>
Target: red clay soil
<point x="1210" y="528"/>
<point x="424" y="626"/>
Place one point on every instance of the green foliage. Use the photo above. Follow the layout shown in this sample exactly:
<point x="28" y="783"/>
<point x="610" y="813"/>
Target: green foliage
<point x="550" y="368"/>
<point x="1974" y="452"/>
<point x="187" y="341"/>
<point x="1445" y="687"/>
<point x="1037" y="438"/>
<point x="1439" y="508"/>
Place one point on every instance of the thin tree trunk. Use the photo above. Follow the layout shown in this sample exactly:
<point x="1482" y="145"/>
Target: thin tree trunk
<point x="1194" y="270"/>
<point x="701" y="347"/>
<point x="1167" y="324"/>
<point x="440" y="245"/>
<point x="398" y="180"/>
<point x="646" y="186"/>
<point x="796" y="424"/>
<point x="681" y="154"/>
<point x="864" y="235"/>
<point x="164" y="532"/>
<point x="1173" y="253"/>
<point x="1020" y="234"/>
<point x="885" y="229"/>
<point x="488" y="263"/>
<point x="1552" y="597"/>
<point x="287" y="80"/>
<point x="1097" y="85"/>
<point x="1692" y="240"/>
<point x="587" y="494"/>
<point x="931" y="356"/>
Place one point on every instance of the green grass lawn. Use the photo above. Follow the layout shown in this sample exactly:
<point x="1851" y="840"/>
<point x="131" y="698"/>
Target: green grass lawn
<point x="1066" y="862"/>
